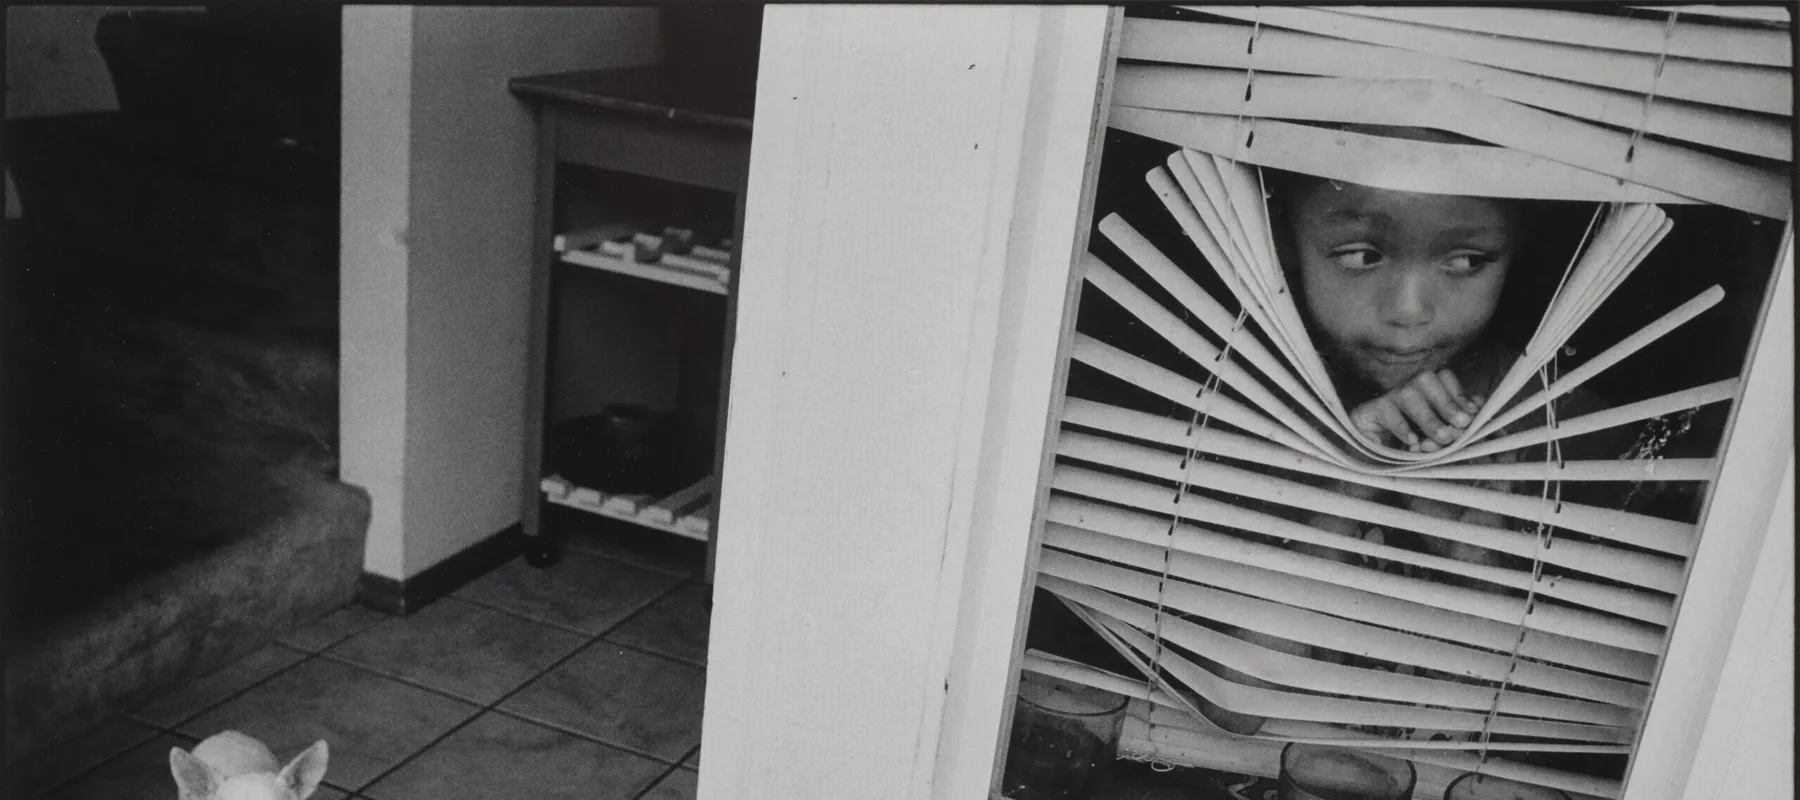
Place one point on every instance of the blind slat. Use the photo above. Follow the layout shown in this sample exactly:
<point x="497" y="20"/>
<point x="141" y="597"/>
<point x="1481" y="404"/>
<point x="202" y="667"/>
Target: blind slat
<point x="1245" y="210"/>
<point x="1209" y="44"/>
<point x="1309" y="675"/>
<point x="1752" y="88"/>
<point x="1654" y="533"/>
<point x="1401" y="165"/>
<point x="1644" y="469"/>
<point x="1183" y="391"/>
<point x="1142" y="695"/>
<point x="1613" y="700"/>
<point x="1194" y="299"/>
<point x="1218" y="321"/>
<point x="1451" y="613"/>
<point x="1575" y="302"/>
<point x="1138" y="372"/>
<point x="1198" y="349"/>
<point x="1450" y="107"/>
<point x="1199" y="180"/>
<point x="1271" y="703"/>
<point x="1754" y="13"/>
<point x="1055" y="666"/>
<point x="1683" y="40"/>
<point x="1705" y="394"/>
<point x="1179" y="739"/>
<point x="1658" y="573"/>
<point x="1450" y="640"/>
<point x="1574" y="378"/>
<point x="1568" y="621"/>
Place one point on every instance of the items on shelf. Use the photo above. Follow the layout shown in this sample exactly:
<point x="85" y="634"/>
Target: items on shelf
<point x="631" y="449"/>
<point x="674" y="255"/>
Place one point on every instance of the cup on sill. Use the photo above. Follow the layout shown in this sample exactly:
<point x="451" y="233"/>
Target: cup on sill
<point x="1475" y="786"/>
<point x="1320" y="772"/>
<point x="1065" y="737"/>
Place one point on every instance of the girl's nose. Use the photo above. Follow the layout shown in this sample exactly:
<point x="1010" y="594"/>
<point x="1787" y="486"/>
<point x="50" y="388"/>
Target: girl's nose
<point x="1409" y="298"/>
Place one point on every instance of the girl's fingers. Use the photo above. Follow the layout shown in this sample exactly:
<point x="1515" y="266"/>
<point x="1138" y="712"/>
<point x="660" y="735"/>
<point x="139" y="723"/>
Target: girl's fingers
<point x="1382" y="416"/>
<point x="1443" y="400"/>
<point x="1454" y="387"/>
<point x="1423" y="416"/>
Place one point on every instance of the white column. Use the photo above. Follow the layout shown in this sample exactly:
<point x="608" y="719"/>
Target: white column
<point x="911" y="225"/>
<point x="375" y="203"/>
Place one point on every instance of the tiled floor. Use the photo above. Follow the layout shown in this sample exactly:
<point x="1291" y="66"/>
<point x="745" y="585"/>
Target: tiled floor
<point x="581" y="681"/>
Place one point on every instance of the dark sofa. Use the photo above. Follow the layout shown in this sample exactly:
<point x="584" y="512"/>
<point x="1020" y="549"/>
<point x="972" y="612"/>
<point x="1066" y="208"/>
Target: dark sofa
<point x="168" y="329"/>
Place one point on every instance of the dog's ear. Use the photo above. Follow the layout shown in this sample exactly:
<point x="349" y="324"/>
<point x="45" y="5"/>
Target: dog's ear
<point x="307" y="769"/>
<point x="195" y="778"/>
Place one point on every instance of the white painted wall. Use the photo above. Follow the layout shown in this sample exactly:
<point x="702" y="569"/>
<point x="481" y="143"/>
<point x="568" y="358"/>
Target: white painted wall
<point x="435" y="247"/>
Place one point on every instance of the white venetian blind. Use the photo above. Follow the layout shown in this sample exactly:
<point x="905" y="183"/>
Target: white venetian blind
<point x="1181" y="539"/>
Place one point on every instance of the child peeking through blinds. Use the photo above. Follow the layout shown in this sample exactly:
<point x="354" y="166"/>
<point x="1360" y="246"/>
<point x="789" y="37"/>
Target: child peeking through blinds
<point x="1405" y="296"/>
<point x="1418" y="304"/>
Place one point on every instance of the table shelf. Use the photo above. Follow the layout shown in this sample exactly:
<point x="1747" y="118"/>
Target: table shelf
<point x="623" y="153"/>
<point x="662" y="273"/>
<point x="682" y="513"/>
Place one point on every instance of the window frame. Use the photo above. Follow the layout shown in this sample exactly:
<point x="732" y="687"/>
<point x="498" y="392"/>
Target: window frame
<point x="982" y="599"/>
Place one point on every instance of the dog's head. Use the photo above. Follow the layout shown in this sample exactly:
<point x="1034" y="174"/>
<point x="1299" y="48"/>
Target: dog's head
<point x="198" y="780"/>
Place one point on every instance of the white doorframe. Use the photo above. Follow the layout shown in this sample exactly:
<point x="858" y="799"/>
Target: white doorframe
<point x="909" y="232"/>
<point x="1739" y="518"/>
<point x="1054" y="203"/>
<point x="915" y="199"/>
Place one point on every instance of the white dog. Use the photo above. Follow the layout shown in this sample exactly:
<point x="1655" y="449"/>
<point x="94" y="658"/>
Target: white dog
<point x="232" y="766"/>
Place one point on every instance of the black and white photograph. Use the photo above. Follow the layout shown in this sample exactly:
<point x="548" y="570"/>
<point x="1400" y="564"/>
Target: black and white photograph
<point x="903" y="401"/>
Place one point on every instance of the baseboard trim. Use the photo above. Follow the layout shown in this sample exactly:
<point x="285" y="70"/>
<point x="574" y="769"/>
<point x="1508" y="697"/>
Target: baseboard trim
<point x="402" y="597"/>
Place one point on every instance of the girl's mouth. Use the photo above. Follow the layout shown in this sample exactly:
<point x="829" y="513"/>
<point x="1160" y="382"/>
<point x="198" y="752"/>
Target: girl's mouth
<point x="1400" y="358"/>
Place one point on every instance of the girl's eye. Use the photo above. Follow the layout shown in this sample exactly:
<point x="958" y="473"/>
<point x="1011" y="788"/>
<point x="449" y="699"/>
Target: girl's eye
<point x="1357" y="258"/>
<point x="1468" y="262"/>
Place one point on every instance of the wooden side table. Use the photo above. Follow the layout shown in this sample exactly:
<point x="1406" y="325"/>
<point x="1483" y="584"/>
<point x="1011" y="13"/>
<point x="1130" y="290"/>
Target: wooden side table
<point x="637" y="122"/>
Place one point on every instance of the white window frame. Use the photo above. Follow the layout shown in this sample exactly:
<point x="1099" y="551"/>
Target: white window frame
<point x="807" y="694"/>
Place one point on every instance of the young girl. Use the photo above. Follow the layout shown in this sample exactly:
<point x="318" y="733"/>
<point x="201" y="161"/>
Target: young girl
<point x="1399" y="289"/>
<point x="1401" y="292"/>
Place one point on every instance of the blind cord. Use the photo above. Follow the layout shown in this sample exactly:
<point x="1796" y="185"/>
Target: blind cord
<point x="1250" y="79"/>
<point x="1649" y="98"/>
<point x="1551" y="493"/>
<point x="1197" y="421"/>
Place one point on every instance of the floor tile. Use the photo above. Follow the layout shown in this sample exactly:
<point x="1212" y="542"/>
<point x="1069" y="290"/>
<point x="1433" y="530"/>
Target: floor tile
<point x="682" y="784"/>
<point x="498" y="757"/>
<point x="583" y="591"/>
<point x="35" y="775"/>
<point x="675" y="625"/>
<point x="335" y="627"/>
<point x="371" y="722"/>
<point x="143" y="774"/>
<point x="207" y="690"/>
<point x="475" y="653"/>
<point x="643" y="702"/>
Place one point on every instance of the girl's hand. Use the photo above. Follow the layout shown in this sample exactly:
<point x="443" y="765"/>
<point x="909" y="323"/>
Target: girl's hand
<point x="1425" y="414"/>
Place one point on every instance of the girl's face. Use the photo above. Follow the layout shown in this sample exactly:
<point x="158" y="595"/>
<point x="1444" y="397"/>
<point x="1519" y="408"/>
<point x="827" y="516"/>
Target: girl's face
<point x="1398" y="282"/>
